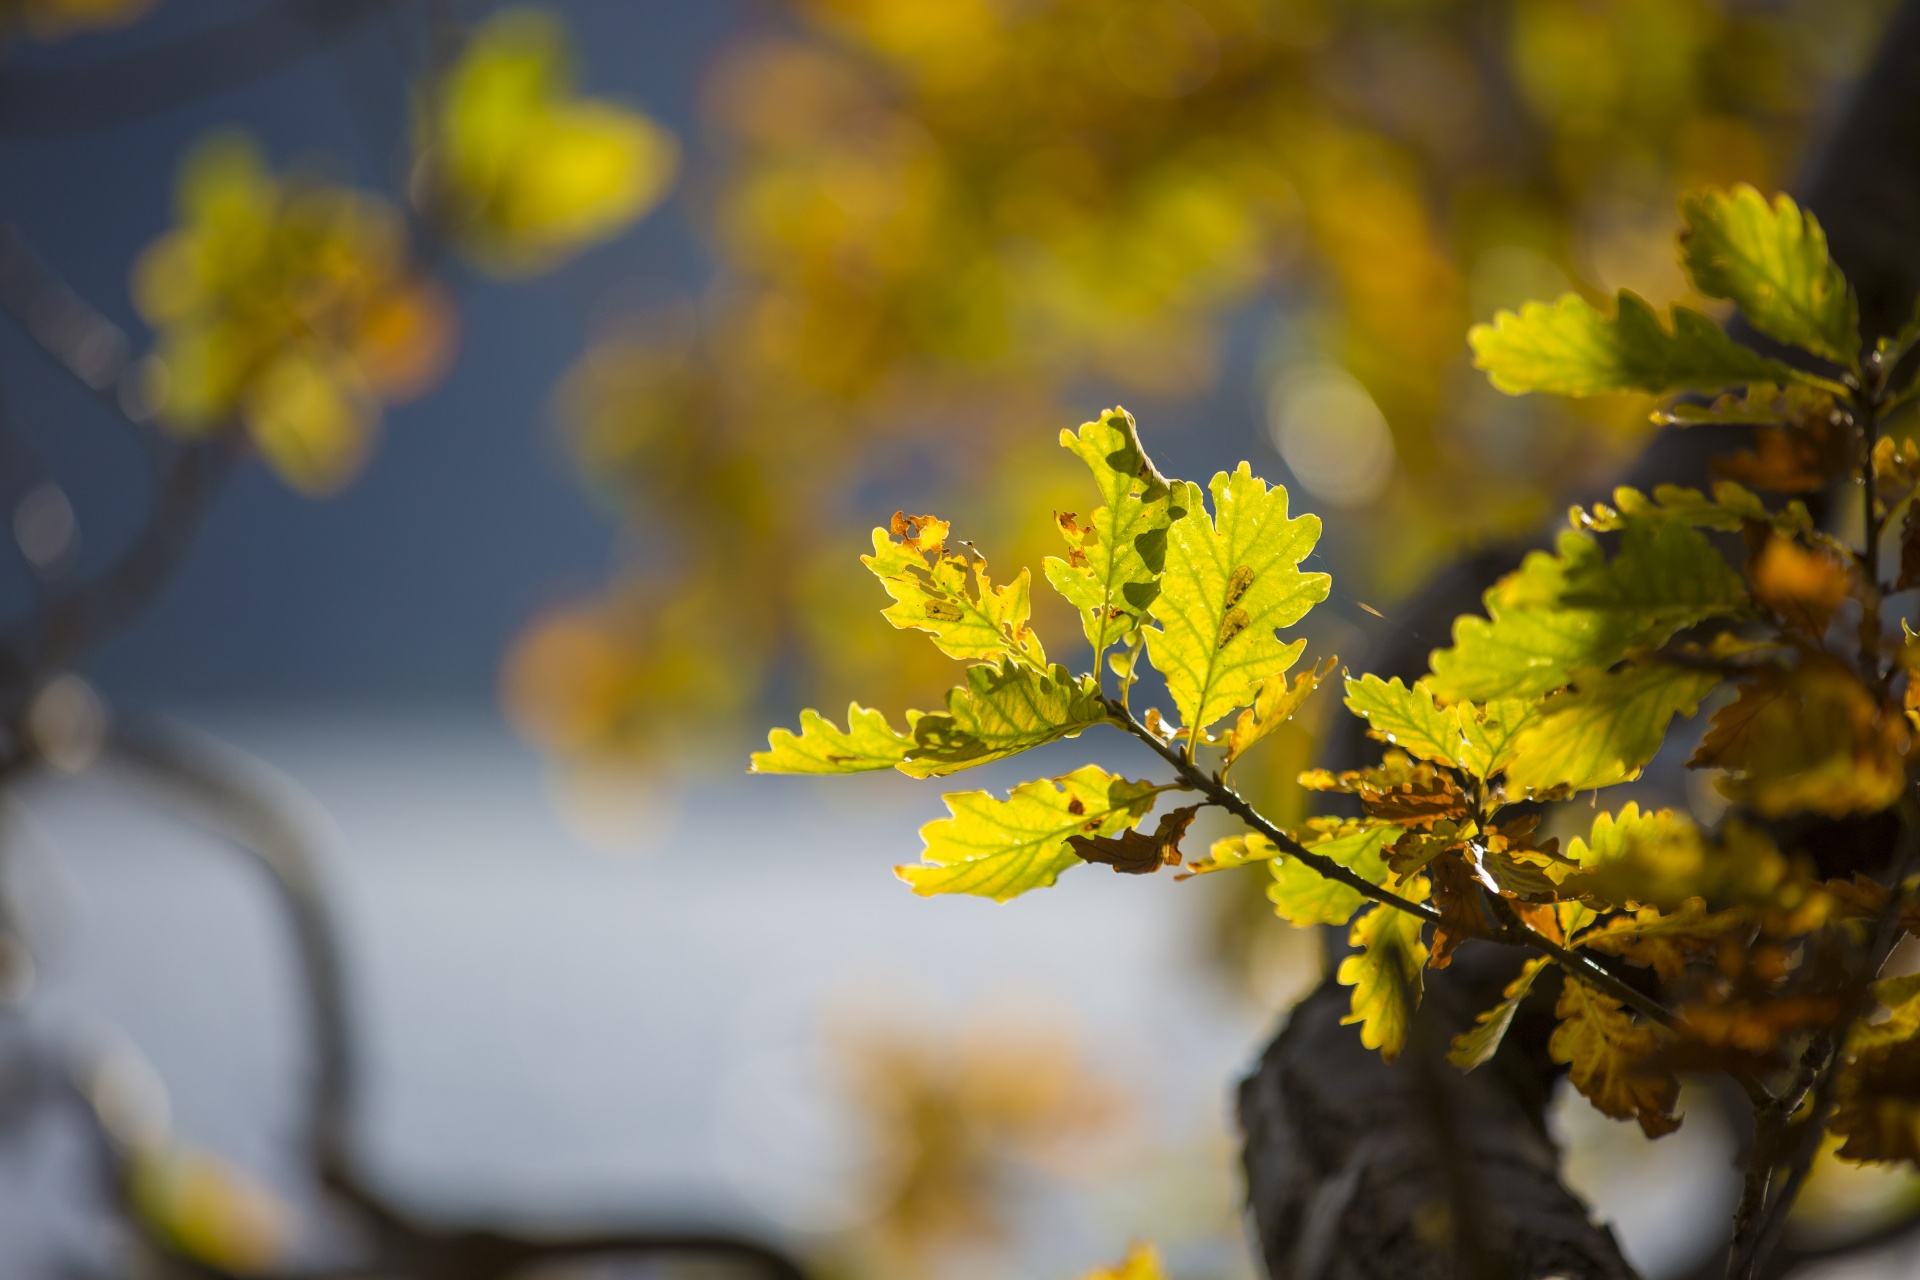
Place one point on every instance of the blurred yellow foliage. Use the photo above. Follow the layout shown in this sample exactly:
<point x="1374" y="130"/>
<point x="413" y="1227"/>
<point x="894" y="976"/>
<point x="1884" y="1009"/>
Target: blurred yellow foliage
<point x="1141" y="1263"/>
<point x="57" y="19"/>
<point x="524" y="172"/>
<point x="939" y="221"/>
<point x="209" y="1210"/>
<point x="287" y="305"/>
<point x="951" y="1119"/>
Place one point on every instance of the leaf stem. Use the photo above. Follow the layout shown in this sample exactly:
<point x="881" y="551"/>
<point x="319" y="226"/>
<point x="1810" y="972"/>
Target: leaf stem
<point x="1221" y="795"/>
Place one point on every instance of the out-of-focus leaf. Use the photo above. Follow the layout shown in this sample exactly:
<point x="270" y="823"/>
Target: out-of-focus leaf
<point x="1804" y="585"/>
<point x="1878" y="1111"/>
<point x="1665" y="940"/>
<point x="1605" y="729"/>
<point x="1112" y="570"/>
<point x="1612" y="1060"/>
<point x="999" y="849"/>
<point x="1569" y="348"/>
<point x="1230" y="581"/>
<point x="868" y="742"/>
<point x="1141" y="1263"/>
<point x="1473" y="1048"/>
<point x="1771" y="261"/>
<point x="1576" y="610"/>
<point x="1387" y="977"/>
<point x="528" y="172"/>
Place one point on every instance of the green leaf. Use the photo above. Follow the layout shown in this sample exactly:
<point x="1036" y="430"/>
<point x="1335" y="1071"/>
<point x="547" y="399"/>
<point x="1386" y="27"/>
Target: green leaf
<point x="1230" y="580"/>
<point x="999" y="712"/>
<point x="950" y="596"/>
<point x="1112" y="570"/>
<point x="999" y="849"/>
<point x="1558" y="614"/>
<point x="1756" y="404"/>
<point x="1408" y="718"/>
<point x="1607" y="727"/>
<point x="1570" y="348"/>
<point x="1491" y="732"/>
<point x="1614" y="834"/>
<point x="867" y="743"/>
<point x="1771" y="261"/>
<point x="1473" y="1048"/>
<point x="1386" y="977"/>
<point x="1302" y="896"/>
<point x="1728" y="510"/>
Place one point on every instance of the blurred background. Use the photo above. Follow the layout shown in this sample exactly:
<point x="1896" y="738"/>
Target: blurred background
<point x="468" y="417"/>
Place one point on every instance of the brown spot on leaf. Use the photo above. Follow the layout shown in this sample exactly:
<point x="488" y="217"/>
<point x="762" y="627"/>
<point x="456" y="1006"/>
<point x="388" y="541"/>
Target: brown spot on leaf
<point x="1237" y="583"/>
<point x="943" y="611"/>
<point x="1230" y="626"/>
<point x="1075" y="807"/>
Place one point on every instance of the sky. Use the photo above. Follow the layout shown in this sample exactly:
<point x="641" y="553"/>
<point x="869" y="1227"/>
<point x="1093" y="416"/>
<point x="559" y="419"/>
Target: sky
<point x="412" y="582"/>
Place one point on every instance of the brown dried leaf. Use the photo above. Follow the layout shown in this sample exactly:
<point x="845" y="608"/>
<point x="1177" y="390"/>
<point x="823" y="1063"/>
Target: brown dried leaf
<point x="1613" y="1060"/>
<point x="1133" y="852"/>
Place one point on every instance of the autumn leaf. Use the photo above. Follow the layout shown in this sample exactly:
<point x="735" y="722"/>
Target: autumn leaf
<point x="999" y="849"/>
<point x="1466" y="911"/>
<point x="1665" y="941"/>
<point x="1490" y="733"/>
<point x="1570" y="348"/>
<point x="1878" y="1108"/>
<point x="1273" y="706"/>
<point x="950" y="596"/>
<point x="1809" y="739"/>
<point x="1386" y="977"/>
<point x="1475" y="1047"/>
<point x="1397" y="790"/>
<point x="1230" y="581"/>
<point x="1141" y="1263"/>
<point x="868" y="742"/>
<point x="1112" y="570"/>
<point x="1610" y="1059"/>
<point x="1771" y="261"/>
<point x="1805" y="586"/>
<point x="1002" y="711"/>
<point x="1133" y="852"/>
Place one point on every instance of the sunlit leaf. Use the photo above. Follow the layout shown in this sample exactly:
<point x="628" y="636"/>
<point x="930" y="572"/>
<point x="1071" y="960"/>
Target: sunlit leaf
<point x="1473" y="1048"/>
<point x="1112" y="570"/>
<point x="1576" y="610"/>
<point x="1771" y="261"/>
<point x="1612" y="1060"/>
<point x="1665" y="940"/>
<point x="1230" y="581"/>
<point x="1141" y="1263"/>
<point x="1387" y="977"/>
<point x="999" y="849"/>
<point x="1490" y="732"/>
<point x="1408" y="718"/>
<point x="1001" y="711"/>
<point x="868" y="742"/>
<point x="949" y="595"/>
<point x="1570" y="348"/>
<point x="1606" y="728"/>
<point x="1302" y="896"/>
<point x="1273" y="706"/>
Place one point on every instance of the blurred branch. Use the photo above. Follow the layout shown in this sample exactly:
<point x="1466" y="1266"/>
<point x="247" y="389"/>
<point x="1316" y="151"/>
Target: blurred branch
<point x="66" y="100"/>
<point x="223" y="792"/>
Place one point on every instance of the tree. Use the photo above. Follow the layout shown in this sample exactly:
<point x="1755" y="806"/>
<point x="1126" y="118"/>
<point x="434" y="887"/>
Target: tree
<point x="1666" y="945"/>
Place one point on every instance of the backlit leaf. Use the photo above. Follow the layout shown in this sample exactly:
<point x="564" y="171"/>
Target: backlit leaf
<point x="1489" y="733"/>
<point x="868" y="742"/>
<point x="1001" y="711"/>
<point x="1112" y="570"/>
<point x="1407" y="717"/>
<point x="1605" y="729"/>
<point x="1771" y="261"/>
<point x="1141" y="1263"/>
<point x="1302" y="896"/>
<point x="1576" y="610"/>
<point x="999" y="849"/>
<point x="1231" y="579"/>
<point x="950" y="596"/>
<point x="1611" y="1059"/>
<point x="1475" y="1047"/>
<point x="1665" y="941"/>
<point x="1387" y="977"/>
<point x="1570" y="348"/>
<point x="1273" y="706"/>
